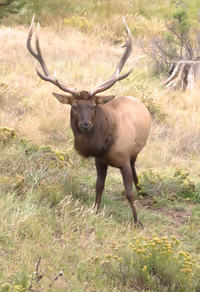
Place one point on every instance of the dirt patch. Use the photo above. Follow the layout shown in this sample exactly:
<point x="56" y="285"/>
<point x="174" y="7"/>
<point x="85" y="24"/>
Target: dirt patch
<point x="178" y="216"/>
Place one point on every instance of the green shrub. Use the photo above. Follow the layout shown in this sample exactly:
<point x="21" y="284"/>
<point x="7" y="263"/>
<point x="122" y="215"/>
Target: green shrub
<point x="11" y="7"/>
<point x="32" y="168"/>
<point x="79" y="22"/>
<point x="159" y="264"/>
<point x="7" y="135"/>
<point x="178" y="185"/>
<point x="142" y="91"/>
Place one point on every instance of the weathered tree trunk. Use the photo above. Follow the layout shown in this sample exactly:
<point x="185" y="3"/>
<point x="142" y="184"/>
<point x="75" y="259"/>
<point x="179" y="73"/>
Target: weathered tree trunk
<point x="183" y="75"/>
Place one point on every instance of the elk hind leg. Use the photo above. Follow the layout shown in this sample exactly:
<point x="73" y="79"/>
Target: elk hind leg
<point x="101" y="177"/>
<point x="135" y="177"/>
<point x="126" y="171"/>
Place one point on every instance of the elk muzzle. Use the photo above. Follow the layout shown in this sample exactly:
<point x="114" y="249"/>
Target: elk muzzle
<point x="85" y="126"/>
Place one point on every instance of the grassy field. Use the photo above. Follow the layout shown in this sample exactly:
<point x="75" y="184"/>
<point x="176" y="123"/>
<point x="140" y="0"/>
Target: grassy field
<point x="50" y="237"/>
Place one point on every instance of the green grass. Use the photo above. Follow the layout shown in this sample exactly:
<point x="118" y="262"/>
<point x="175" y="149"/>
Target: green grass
<point x="146" y="17"/>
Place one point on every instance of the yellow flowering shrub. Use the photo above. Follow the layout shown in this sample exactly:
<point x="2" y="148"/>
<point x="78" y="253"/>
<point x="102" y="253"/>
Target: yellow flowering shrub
<point x="171" y="187"/>
<point x="157" y="262"/>
<point x="7" y="135"/>
<point x="79" y="22"/>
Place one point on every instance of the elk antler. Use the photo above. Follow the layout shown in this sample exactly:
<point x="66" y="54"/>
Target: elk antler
<point x="53" y="79"/>
<point x="115" y="77"/>
<point x="39" y="58"/>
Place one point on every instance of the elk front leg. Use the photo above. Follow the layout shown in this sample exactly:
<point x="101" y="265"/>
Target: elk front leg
<point x="126" y="171"/>
<point x="101" y="177"/>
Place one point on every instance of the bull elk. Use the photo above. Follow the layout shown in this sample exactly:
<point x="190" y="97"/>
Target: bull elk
<point x="112" y="130"/>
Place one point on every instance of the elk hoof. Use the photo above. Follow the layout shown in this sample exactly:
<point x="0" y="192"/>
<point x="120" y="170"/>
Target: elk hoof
<point x="139" y="224"/>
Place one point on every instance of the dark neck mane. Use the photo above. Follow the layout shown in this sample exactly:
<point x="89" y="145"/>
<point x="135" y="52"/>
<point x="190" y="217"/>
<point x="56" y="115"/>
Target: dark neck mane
<point x="97" y="142"/>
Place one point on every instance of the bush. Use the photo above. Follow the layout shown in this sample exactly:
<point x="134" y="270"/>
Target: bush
<point x="79" y="22"/>
<point x="11" y="7"/>
<point x="158" y="264"/>
<point x="178" y="185"/>
<point x="180" y="42"/>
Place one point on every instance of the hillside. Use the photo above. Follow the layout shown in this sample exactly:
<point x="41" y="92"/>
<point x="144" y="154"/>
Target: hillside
<point x="50" y="237"/>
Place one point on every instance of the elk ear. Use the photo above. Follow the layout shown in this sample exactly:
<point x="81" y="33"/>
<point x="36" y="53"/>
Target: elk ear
<point x="99" y="99"/>
<point x="64" y="98"/>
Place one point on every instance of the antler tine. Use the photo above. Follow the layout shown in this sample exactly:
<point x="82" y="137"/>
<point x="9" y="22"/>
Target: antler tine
<point x="38" y="56"/>
<point x="29" y="38"/>
<point x="115" y="77"/>
<point x="128" y="50"/>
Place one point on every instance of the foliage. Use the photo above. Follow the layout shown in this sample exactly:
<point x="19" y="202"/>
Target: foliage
<point x="178" y="185"/>
<point x="11" y="7"/>
<point x="181" y="30"/>
<point x="100" y="12"/>
<point x="79" y="22"/>
<point x="142" y="91"/>
<point x="180" y="42"/>
<point x="140" y="264"/>
<point x="7" y="135"/>
<point x="42" y="163"/>
<point x="161" y="51"/>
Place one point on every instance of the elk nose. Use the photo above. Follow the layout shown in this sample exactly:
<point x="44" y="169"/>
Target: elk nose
<point x="85" y="126"/>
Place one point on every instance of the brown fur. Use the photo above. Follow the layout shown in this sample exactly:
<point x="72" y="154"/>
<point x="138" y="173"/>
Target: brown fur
<point x="98" y="141"/>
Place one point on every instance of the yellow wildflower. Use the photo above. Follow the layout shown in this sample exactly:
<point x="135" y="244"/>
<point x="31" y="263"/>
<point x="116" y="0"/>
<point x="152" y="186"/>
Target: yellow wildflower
<point x="144" y="269"/>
